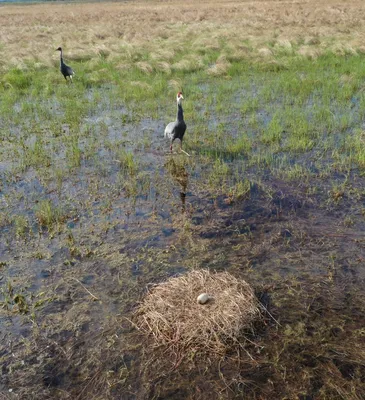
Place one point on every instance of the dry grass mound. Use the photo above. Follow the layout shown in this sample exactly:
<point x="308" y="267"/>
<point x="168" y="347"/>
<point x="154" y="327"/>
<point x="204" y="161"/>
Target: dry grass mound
<point x="172" y="315"/>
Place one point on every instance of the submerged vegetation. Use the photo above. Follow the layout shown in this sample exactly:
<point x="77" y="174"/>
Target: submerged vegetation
<point x="93" y="208"/>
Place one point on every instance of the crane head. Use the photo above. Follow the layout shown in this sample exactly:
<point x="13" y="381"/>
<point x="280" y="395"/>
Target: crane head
<point x="179" y="97"/>
<point x="59" y="49"/>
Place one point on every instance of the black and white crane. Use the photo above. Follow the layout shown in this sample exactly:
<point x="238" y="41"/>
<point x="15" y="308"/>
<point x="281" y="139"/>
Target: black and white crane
<point x="65" y="69"/>
<point x="176" y="130"/>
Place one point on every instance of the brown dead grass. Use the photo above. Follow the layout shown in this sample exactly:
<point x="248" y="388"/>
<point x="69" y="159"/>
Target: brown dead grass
<point x="171" y="314"/>
<point x="124" y="30"/>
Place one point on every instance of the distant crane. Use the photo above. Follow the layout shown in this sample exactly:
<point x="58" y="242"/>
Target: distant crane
<point x="176" y="130"/>
<point x="65" y="69"/>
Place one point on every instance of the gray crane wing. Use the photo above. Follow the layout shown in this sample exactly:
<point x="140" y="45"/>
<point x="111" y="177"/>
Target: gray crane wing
<point x="66" y="70"/>
<point x="170" y="130"/>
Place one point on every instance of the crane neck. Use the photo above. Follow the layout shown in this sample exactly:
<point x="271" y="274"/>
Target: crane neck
<point x="180" y="114"/>
<point x="61" y="57"/>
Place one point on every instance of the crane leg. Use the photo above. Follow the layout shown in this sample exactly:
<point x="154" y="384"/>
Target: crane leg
<point x="183" y="151"/>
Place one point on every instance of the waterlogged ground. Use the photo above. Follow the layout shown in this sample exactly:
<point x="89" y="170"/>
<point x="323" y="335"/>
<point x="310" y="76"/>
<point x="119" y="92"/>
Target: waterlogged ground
<point x="93" y="209"/>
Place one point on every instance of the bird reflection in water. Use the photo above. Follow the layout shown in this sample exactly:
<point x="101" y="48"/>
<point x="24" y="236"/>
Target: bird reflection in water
<point x="180" y="175"/>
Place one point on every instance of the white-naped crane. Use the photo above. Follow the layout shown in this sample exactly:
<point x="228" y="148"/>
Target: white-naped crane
<point x="176" y="130"/>
<point x="65" y="69"/>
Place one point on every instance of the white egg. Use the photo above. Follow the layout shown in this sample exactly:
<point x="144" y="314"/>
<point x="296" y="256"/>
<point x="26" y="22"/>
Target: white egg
<point x="203" y="298"/>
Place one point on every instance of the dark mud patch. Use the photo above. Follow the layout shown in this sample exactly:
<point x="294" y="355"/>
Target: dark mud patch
<point x="310" y="281"/>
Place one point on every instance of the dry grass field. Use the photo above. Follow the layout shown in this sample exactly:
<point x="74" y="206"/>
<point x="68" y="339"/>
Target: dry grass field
<point x="153" y="32"/>
<point x="94" y="210"/>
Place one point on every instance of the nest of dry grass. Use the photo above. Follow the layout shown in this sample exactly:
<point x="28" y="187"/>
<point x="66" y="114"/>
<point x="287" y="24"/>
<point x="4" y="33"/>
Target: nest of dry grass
<point x="171" y="314"/>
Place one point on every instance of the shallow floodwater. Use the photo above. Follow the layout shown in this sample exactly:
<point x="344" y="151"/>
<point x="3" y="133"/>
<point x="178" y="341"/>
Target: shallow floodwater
<point x="68" y="293"/>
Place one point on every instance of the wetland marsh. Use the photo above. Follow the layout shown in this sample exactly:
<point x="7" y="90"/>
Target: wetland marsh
<point x="93" y="208"/>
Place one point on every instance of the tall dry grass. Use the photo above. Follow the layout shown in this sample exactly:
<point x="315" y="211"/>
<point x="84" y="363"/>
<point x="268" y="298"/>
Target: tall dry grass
<point x="149" y="31"/>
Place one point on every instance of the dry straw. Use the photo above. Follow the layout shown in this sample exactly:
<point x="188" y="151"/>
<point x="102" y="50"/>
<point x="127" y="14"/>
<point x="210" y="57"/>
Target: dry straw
<point x="171" y="314"/>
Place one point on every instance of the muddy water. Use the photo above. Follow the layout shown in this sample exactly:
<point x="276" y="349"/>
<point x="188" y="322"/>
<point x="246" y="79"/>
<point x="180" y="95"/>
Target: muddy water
<point x="68" y="295"/>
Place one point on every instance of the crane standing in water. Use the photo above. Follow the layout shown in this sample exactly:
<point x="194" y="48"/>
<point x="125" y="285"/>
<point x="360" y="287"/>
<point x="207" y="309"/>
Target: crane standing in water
<point x="176" y="130"/>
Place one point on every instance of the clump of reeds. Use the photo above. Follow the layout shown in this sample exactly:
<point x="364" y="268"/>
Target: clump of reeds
<point x="171" y="314"/>
<point x="220" y="67"/>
